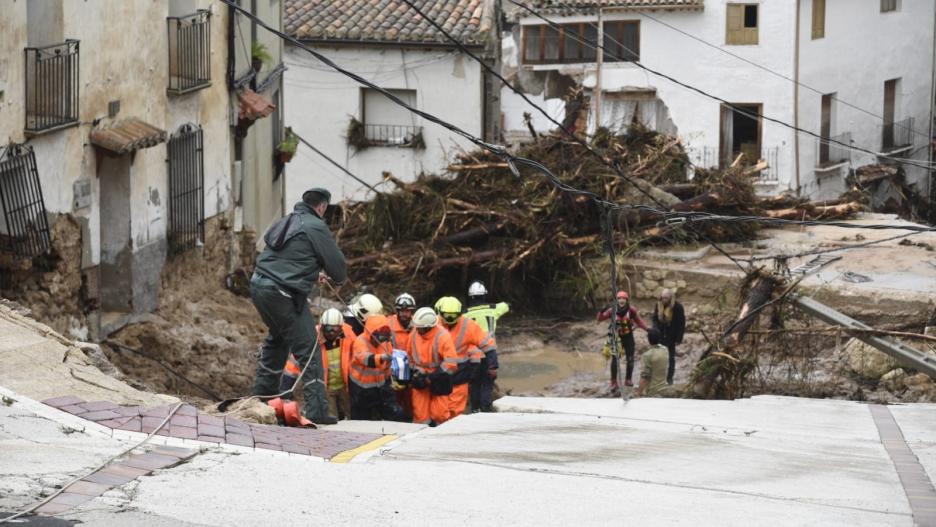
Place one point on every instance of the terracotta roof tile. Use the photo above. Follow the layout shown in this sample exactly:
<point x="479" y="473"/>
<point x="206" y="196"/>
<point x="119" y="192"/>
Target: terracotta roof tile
<point x="127" y="135"/>
<point x="385" y="20"/>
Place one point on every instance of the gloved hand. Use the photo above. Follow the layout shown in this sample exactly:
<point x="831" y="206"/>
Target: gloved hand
<point x="492" y="374"/>
<point x="419" y="380"/>
<point x="386" y="358"/>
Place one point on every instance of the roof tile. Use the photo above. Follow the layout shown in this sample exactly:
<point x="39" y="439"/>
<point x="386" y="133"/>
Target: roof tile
<point x="385" y="20"/>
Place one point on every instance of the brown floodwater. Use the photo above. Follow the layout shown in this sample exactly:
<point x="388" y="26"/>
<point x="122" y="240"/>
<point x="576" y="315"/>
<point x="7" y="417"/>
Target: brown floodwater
<point x="532" y="370"/>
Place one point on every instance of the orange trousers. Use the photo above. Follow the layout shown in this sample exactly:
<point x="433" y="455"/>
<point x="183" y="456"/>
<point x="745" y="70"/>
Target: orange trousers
<point x="458" y="400"/>
<point x="428" y="407"/>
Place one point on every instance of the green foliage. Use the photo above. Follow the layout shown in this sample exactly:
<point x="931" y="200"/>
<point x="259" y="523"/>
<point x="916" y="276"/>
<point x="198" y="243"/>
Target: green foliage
<point x="290" y="143"/>
<point x="259" y="51"/>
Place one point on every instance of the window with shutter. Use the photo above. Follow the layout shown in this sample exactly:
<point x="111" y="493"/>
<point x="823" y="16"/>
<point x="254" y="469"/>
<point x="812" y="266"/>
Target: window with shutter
<point x="818" y="19"/>
<point x="888" y="5"/>
<point x="742" y="21"/>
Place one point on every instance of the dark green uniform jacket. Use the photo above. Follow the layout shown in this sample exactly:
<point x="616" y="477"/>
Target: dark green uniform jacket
<point x="298" y="247"/>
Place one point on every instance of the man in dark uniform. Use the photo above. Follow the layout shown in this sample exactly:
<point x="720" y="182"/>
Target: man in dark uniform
<point x="300" y="251"/>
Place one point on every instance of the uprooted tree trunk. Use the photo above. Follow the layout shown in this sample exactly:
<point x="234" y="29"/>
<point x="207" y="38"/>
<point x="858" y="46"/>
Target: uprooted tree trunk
<point x="723" y="367"/>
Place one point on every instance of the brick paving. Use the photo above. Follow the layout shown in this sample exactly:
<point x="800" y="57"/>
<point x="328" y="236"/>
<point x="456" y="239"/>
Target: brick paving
<point x="915" y="481"/>
<point x="189" y="423"/>
<point x="113" y="475"/>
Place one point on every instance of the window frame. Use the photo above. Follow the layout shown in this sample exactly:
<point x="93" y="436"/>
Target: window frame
<point x="581" y="49"/>
<point x="890" y="6"/>
<point x="818" y="29"/>
<point x="742" y="35"/>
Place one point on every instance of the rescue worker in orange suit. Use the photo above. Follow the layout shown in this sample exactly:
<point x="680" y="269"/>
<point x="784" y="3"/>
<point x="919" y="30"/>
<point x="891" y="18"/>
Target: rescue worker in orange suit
<point x="472" y="343"/>
<point x="400" y="328"/>
<point x="335" y="340"/>
<point x="627" y="317"/>
<point x="433" y="360"/>
<point x="372" y="397"/>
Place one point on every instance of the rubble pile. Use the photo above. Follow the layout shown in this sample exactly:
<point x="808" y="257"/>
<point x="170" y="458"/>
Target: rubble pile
<point x="527" y="238"/>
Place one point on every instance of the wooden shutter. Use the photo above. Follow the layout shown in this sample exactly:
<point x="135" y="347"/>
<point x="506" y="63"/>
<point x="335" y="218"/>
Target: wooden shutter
<point x="734" y="25"/>
<point x="818" y="19"/>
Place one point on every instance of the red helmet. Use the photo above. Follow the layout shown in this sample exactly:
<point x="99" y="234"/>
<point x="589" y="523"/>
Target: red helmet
<point x="623" y="294"/>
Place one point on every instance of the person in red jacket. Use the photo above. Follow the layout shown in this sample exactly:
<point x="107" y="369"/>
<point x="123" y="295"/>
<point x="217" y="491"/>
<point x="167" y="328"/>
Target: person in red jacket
<point x="626" y="318"/>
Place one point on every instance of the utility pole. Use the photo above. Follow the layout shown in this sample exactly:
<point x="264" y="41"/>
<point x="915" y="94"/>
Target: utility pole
<point x="599" y="49"/>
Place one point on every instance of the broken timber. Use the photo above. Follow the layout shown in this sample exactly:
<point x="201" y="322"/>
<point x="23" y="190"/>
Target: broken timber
<point x="905" y="355"/>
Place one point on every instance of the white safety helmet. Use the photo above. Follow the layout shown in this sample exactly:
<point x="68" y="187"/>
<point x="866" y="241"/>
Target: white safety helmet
<point x="367" y="305"/>
<point x="477" y="289"/>
<point x="332" y="317"/>
<point x="405" y="301"/>
<point x="425" y="317"/>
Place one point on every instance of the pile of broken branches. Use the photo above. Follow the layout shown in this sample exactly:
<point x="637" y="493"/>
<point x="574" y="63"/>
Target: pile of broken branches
<point x="523" y="234"/>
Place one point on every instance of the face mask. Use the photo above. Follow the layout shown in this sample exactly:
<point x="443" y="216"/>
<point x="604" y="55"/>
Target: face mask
<point x="450" y="318"/>
<point x="382" y="337"/>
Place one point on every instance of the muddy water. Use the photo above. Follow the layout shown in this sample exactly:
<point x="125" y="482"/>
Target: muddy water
<point x="530" y="371"/>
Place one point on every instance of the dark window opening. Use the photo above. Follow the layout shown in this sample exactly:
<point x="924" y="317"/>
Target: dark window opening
<point x="576" y="42"/>
<point x="186" y="189"/>
<point x="741" y="133"/>
<point x="750" y="16"/>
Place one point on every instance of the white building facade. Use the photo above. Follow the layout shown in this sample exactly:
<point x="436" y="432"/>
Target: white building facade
<point x="361" y="129"/>
<point x="859" y="72"/>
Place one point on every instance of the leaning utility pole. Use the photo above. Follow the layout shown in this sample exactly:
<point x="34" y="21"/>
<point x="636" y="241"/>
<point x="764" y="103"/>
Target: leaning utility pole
<point x="599" y="49"/>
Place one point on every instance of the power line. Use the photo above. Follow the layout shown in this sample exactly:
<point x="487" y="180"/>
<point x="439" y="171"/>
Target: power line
<point x="332" y="161"/>
<point x="672" y="218"/>
<point x="765" y="68"/>
<point x="733" y="106"/>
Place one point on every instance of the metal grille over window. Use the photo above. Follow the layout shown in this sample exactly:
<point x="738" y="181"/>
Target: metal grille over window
<point x="186" y="189"/>
<point x="51" y="87"/>
<point x="25" y="229"/>
<point x="189" y="52"/>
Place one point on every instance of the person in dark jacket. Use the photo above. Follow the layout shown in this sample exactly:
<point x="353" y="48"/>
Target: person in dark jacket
<point x="300" y="252"/>
<point x="669" y="318"/>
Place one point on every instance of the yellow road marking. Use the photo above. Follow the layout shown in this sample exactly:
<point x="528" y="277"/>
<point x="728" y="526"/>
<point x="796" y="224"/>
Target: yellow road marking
<point x="348" y="455"/>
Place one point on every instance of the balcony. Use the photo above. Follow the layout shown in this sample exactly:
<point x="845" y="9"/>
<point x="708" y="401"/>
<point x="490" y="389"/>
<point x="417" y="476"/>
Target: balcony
<point x="189" y="52"/>
<point x="831" y="152"/>
<point x="897" y="135"/>
<point x="51" y="87"/>
<point x="394" y="135"/>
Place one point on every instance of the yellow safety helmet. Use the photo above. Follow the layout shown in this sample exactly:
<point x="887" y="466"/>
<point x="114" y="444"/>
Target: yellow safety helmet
<point x="449" y="308"/>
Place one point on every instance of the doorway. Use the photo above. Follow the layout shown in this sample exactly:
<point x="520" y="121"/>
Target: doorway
<point x="740" y="133"/>
<point x="116" y="249"/>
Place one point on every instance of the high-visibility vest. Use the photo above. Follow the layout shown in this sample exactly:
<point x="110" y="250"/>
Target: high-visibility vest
<point x="486" y="315"/>
<point x="362" y="373"/>
<point x="433" y="351"/>
<point x="293" y="368"/>
<point x="399" y="336"/>
<point x="471" y="341"/>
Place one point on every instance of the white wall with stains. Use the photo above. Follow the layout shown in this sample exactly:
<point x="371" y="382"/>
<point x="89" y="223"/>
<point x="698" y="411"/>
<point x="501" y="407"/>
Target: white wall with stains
<point x="862" y="48"/>
<point x="321" y="103"/>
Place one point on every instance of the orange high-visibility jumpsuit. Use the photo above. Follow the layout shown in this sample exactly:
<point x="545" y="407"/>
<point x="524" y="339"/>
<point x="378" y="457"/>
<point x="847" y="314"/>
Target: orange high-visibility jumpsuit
<point x="293" y="368"/>
<point x="471" y="343"/>
<point x="400" y="339"/>
<point x="428" y="354"/>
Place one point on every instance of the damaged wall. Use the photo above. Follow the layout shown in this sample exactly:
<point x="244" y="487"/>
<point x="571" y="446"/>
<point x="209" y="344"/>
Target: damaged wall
<point x="446" y="83"/>
<point x="127" y="64"/>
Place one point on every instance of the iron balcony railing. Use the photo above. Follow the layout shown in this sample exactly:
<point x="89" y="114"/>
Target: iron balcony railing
<point x="25" y="229"/>
<point x="707" y="157"/>
<point x="392" y="134"/>
<point x="831" y="151"/>
<point x="189" y="52"/>
<point x="186" y="189"/>
<point x="771" y="174"/>
<point x="51" y="87"/>
<point x="897" y="134"/>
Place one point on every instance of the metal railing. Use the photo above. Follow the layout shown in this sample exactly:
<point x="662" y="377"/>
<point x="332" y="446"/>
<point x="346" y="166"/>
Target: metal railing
<point x="703" y="157"/>
<point x="898" y="134"/>
<point x="772" y="173"/>
<point x="391" y="134"/>
<point x="831" y="152"/>
<point x="51" y="87"/>
<point x="186" y="189"/>
<point x="189" y="52"/>
<point x="25" y="229"/>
